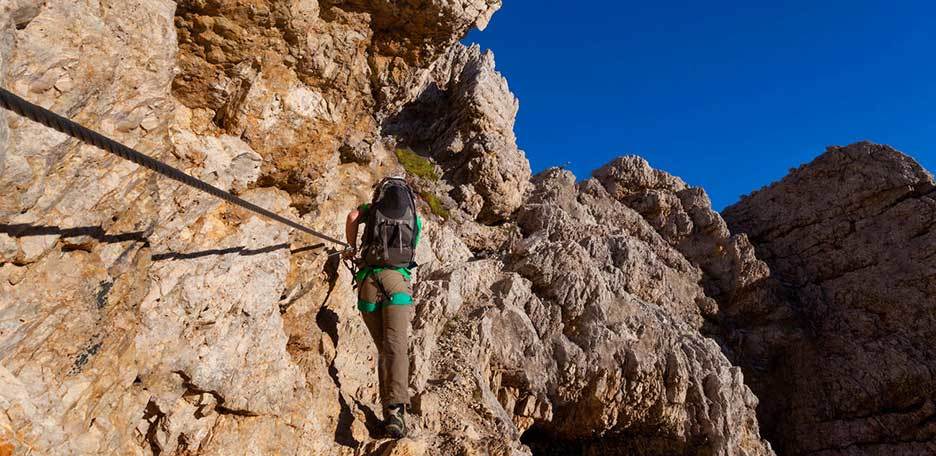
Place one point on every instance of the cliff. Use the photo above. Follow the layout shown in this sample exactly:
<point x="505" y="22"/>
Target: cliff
<point x="617" y="314"/>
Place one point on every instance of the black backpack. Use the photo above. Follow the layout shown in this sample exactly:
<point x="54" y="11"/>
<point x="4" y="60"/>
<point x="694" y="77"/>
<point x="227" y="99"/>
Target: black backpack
<point x="391" y="228"/>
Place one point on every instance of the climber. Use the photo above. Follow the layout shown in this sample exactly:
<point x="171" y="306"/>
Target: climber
<point x="385" y="294"/>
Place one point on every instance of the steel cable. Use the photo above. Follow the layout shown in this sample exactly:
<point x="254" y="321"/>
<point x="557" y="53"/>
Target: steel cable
<point x="52" y="120"/>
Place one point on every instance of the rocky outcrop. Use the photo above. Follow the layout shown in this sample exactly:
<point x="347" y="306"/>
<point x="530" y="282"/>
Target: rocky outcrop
<point x="744" y="305"/>
<point x="297" y="80"/>
<point x="622" y="312"/>
<point x="850" y="236"/>
<point x="463" y="118"/>
<point x="683" y="216"/>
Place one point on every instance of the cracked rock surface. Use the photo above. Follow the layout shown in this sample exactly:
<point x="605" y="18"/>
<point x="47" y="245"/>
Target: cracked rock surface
<point x="851" y="238"/>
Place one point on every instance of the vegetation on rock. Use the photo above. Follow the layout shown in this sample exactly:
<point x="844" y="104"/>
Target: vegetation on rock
<point x="416" y="165"/>
<point x="435" y="204"/>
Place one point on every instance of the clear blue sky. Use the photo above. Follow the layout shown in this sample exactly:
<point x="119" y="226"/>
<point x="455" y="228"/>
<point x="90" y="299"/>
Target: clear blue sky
<point x="727" y="95"/>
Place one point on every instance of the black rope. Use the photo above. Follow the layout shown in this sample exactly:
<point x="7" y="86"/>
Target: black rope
<point x="52" y="120"/>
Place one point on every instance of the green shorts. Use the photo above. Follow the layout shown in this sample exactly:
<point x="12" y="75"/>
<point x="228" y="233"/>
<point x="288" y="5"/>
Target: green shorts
<point x="398" y="288"/>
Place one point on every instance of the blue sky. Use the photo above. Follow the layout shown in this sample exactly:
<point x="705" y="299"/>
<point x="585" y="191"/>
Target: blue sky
<point x="726" y="94"/>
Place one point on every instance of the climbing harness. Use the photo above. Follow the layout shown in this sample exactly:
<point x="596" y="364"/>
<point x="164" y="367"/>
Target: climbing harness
<point x="352" y="267"/>
<point x="52" y="120"/>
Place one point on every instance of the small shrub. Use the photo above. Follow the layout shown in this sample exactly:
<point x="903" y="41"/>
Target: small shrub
<point x="416" y="165"/>
<point x="435" y="205"/>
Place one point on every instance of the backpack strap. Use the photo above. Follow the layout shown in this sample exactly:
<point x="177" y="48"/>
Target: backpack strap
<point x="417" y="227"/>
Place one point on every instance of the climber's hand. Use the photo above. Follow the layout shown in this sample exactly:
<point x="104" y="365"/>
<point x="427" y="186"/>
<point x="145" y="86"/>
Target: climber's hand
<point x="349" y="253"/>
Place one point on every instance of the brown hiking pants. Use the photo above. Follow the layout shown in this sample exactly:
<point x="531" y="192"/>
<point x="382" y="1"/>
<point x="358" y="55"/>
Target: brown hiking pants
<point x="389" y="326"/>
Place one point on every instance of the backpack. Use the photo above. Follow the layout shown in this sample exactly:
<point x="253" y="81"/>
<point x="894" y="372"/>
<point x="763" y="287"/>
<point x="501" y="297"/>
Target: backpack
<point x="392" y="230"/>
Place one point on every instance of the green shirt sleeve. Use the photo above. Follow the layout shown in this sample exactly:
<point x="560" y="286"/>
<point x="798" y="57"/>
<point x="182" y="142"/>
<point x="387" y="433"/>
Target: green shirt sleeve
<point x="418" y="231"/>
<point x="363" y="210"/>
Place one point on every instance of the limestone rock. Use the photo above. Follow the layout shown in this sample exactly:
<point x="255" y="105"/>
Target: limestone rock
<point x="138" y="316"/>
<point x="599" y="268"/>
<point x="851" y="237"/>
<point x="684" y="217"/>
<point x="741" y="299"/>
<point x="464" y="118"/>
<point x="405" y="447"/>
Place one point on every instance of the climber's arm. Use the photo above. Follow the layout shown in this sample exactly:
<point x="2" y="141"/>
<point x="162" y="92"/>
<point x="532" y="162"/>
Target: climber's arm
<point x="351" y="228"/>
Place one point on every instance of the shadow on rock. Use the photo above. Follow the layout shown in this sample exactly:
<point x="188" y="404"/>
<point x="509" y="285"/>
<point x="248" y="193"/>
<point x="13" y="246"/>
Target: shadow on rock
<point x="240" y="250"/>
<point x="19" y="230"/>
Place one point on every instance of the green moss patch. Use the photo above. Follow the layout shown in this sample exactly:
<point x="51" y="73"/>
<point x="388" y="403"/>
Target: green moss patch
<point x="435" y="205"/>
<point x="416" y="165"/>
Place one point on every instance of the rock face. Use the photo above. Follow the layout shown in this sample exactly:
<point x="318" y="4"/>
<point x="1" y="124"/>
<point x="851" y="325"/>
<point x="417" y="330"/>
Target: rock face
<point x="463" y="118"/>
<point x="138" y="316"/>
<point x="851" y="238"/>
<point x="298" y="79"/>
<point x="141" y="317"/>
<point x="623" y="310"/>
<point x="744" y="305"/>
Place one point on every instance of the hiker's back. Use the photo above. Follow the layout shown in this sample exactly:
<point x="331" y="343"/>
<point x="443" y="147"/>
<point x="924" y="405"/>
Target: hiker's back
<point x="392" y="228"/>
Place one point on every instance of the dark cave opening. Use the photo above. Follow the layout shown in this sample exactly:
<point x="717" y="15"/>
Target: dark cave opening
<point x="543" y="440"/>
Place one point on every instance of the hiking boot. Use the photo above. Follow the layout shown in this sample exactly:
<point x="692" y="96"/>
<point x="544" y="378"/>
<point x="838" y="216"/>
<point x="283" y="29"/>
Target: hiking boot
<point x="395" y="424"/>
